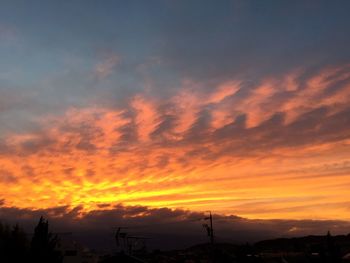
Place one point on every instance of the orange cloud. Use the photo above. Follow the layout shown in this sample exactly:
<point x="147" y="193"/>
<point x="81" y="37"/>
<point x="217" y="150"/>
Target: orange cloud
<point x="277" y="150"/>
<point x="146" y="117"/>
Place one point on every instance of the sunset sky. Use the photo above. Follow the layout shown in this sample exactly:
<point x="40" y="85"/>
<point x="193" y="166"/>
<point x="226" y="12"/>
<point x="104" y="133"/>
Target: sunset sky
<point x="238" y="107"/>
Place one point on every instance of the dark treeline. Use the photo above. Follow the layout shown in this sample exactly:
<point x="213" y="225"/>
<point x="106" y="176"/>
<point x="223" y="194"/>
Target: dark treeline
<point x="16" y="246"/>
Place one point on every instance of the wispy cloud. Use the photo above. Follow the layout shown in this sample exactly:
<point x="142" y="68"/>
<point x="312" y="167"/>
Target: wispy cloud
<point x="106" y="67"/>
<point x="265" y="142"/>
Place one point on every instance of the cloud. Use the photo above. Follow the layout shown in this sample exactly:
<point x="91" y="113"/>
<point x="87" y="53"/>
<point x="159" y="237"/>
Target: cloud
<point x="8" y="34"/>
<point x="176" y="152"/>
<point x="7" y="177"/>
<point x="251" y="40"/>
<point x="212" y="43"/>
<point x="105" y="68"/>
<point x="167" y="228"/>
<point x="233" y="106"/>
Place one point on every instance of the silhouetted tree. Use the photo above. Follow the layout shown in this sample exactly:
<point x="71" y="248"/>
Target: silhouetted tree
<point x="13" y="246"/>
<point x="43" y="245"/>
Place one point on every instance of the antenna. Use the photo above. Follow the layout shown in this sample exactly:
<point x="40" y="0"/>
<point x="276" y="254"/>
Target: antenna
<point x="129" y="241"/>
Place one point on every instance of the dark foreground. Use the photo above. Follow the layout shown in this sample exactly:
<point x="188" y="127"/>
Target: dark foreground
<point x="311" y="249"/>
<point x="45" y="247"/>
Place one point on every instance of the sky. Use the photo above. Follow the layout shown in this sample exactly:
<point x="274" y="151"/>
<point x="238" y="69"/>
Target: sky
<point x="237" y="107"/>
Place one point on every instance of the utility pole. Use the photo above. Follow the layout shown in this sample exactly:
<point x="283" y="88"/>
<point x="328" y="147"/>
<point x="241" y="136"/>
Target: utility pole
<point x="209" y="228"/>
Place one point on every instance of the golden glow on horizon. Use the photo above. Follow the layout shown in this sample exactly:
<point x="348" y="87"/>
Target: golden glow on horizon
<point x="95" y="156"/>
